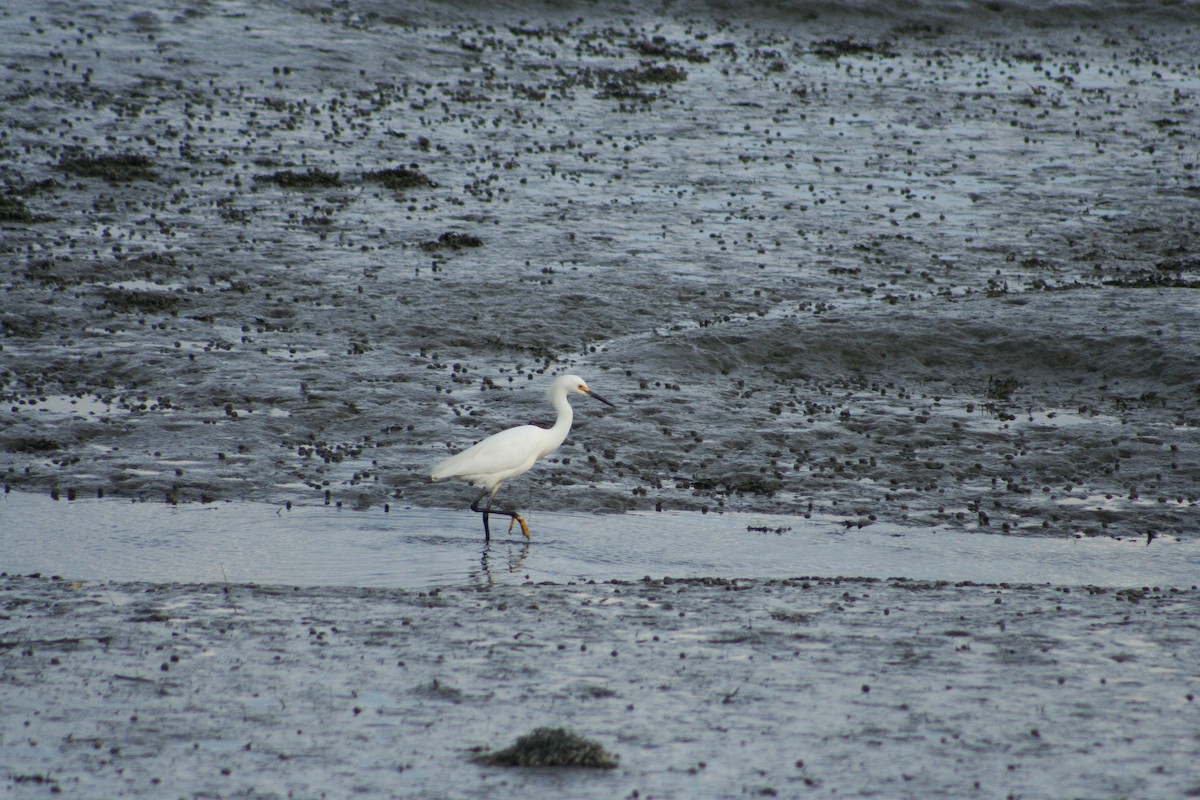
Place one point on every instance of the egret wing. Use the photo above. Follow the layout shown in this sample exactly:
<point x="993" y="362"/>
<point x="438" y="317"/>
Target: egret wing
<point x="502" y="452"/>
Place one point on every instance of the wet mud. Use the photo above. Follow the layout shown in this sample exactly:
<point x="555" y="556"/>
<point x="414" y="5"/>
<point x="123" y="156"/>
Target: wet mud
<point x="929" y="270"/>
<point x="806" y="687"/>
<point x="934" y="267"/>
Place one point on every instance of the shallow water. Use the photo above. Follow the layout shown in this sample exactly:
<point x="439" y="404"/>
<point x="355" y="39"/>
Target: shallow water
<point x="411" y="548"/>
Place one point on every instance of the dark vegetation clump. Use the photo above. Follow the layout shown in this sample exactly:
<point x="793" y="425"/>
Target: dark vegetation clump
<point x="313" y="179"/>
<point x="126" y="301"/>
<point x="13" y="209"/>
<point x="453" y="240"/>
<point x="836" y="48"/>
<point x="551" y="747"/>
<point x="399" y="178"/>
<point x="655" y="73"/>
<point x="1002" y="388"/>
<point x="33" y="445"/>
<point x="118" y="168"/>
<point x="659" y="47"/>
<point x="626" y="84"/>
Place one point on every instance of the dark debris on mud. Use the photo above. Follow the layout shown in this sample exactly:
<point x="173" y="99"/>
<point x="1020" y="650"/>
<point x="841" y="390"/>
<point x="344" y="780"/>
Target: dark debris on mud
<point x="550" y="747"/>
<point x="312" y="178"/>
<point x="399" y="178"/>
<point x="116" y="167"/>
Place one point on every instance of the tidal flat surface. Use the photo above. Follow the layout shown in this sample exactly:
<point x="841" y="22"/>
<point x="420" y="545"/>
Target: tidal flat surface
<point x="898" y="306"/>
<point x="707" y="687"/>
<point x="930" y="268"/>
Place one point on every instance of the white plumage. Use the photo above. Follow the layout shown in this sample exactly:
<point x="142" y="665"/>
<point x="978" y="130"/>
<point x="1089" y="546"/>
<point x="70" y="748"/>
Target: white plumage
<point x="512" y="452"/>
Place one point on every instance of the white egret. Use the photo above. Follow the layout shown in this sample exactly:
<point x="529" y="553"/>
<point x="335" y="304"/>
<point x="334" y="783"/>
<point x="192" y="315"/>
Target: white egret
<point x="509" y="453"/>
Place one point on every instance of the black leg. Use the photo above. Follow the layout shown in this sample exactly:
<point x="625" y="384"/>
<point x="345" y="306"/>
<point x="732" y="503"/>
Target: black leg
<point x="487" y="534"/>
<point x="486" y="510"/>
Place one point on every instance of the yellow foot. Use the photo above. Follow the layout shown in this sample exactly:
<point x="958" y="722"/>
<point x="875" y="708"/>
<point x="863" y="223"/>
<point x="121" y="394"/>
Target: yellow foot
<point x="514" y="520"/>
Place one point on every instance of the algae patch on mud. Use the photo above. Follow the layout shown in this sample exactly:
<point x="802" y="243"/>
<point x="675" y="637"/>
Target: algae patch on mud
<point x="112" y="167"/>
<point x="550" y="747"/>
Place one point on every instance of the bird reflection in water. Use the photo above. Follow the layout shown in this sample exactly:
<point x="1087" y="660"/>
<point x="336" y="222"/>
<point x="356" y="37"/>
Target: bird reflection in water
<point x="511" y="561"/>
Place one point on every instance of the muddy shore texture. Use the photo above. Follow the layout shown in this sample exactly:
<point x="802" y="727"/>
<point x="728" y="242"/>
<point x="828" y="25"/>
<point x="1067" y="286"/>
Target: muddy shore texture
<point x="700" y="688"/>
<point x="935" y="269"/>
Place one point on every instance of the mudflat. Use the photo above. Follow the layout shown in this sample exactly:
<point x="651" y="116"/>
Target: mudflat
<point x="930" y="267"/>
<point x="699" y="687"/>
<point x="870" y="270"/>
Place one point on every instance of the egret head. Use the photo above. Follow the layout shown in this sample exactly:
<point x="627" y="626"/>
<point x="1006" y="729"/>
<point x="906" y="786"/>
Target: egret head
<point x="573" y="384"/>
